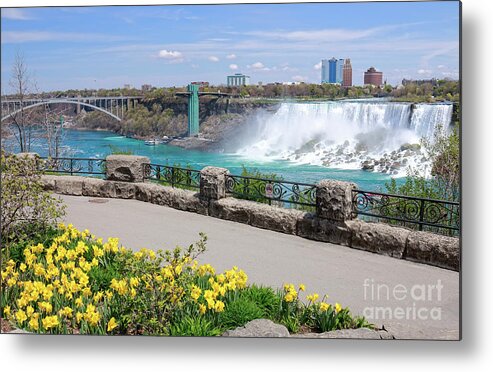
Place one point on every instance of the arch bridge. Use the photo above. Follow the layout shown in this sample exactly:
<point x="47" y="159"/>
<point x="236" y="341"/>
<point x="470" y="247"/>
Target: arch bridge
<point x="112" y="106"/>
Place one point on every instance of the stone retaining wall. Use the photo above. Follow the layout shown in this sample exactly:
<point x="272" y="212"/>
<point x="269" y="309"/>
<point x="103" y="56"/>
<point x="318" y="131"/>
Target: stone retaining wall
<point x="331" y="223"/>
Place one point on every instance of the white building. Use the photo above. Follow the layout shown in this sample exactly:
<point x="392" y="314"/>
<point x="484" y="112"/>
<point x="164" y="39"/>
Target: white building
<point x="238" y="80"/>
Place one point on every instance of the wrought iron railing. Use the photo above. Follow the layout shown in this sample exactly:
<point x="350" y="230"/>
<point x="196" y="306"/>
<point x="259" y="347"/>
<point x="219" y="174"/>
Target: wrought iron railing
<point x="71" y="166"/>
<point x="278" y="192"/>
<point x="173" y="176"/>
<point x="418" y="213"/>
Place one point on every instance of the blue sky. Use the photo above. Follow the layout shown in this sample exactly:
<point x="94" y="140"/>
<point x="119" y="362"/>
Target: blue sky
<point x="107" y="47"/>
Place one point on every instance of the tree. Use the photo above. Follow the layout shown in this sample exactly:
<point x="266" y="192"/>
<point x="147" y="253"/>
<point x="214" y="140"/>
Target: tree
<point x="28" y="125"/>
<point x="22" y="84"/>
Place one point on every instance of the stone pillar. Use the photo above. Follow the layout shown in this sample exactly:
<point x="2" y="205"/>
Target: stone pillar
<point x="213" y="183"/>
<point x="334" y="200"/>
<point x="126" y="168"/>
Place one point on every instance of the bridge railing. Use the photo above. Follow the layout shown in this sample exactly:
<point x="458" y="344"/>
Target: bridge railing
<point x="438" y="216"/>
<point x="73" y="166"/>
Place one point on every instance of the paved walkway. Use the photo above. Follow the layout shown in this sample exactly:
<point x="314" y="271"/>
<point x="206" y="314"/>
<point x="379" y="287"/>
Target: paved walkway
<point x="367" y="282"/>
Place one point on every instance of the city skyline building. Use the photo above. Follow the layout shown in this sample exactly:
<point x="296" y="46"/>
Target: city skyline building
<point x="238" y="80"/>
<point x="325" y="71"/>
<point x="347" y="73"/>
<point x="373" y="77"/>
<point x="333" y="70"/>
<point x="340" y="64"/>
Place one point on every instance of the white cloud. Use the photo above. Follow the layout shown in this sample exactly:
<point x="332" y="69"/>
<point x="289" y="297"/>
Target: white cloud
<point x="441" y="67"/>
<point x="17" y="14"/>
<point x="424" y="72"/>
<point x="231" y="56"/>
<point x="299" y="78"/>
<point x="171" y="55"/>
<point x="233" y="66"/>
<point x="318" y="66"/>
<point x="258" y="66"/>
<point x="213" y="59"/>
<point x="318" y="35"/>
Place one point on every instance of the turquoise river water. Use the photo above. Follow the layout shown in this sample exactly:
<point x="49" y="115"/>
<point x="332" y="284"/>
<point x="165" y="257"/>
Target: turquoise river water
<point x="98" y="144"/>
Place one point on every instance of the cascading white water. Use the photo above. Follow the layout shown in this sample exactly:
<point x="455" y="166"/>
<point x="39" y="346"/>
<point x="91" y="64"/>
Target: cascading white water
<point x="374" y="135"/>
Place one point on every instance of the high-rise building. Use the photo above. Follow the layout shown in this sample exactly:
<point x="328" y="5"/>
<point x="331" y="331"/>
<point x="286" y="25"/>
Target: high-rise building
<point x="325" y="71"/>
<point x="373" y="77"/>
<point x="238" y="80"/>
<point x="332" y="70"/>
<point x="340" y="63"/>
<point x="347" y="73"/>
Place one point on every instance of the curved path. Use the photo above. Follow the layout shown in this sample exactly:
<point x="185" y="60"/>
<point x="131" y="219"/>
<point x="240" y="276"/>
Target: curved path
<point x="411" y="300"/>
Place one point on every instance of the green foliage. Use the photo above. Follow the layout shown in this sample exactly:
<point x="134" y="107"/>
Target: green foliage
<point x="27" y="211"/>
<point x="189" y="326"/>
<point x="265" y="298"/>
<point x="252" y="188"/>
<point x="239" y="312"/>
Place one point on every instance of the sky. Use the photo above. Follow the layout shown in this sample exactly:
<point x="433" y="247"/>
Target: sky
<point x="172" y="45"/>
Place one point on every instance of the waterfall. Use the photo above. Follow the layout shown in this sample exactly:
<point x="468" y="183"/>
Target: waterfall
<point x="374" y="135"/>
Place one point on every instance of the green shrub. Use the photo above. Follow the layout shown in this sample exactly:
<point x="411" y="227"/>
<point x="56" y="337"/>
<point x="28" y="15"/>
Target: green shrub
<point x="238" y="313"/>
<point x="27" y="210"/>
<point x="189" y="326"/>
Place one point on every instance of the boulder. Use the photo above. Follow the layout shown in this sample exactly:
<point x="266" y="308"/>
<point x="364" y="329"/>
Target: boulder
<point x="259" y="328"/>
<point x="357" y="333"/>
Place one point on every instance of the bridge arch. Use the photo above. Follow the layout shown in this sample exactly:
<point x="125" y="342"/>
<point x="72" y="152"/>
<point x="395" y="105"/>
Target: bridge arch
<point x="62" y="101"/>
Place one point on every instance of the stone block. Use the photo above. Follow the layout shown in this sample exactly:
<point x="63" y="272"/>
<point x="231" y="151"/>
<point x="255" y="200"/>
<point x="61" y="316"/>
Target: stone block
<point x="126" y="168"/>
<point x="334" y="200"/>
<point x="213" y="183"/>
<point x="69" y="185"/>
<point x="434" y="249"/>
<point x="274" y="218"/>
<point x="378" y="238"/>
<point x="320" y="229"/>
<point x="123" y="190"/>
<point x="231" y="209"/>
<point x="48" y="182"/>
<point x="187" y="200"/>
<point x="95" y="187"/>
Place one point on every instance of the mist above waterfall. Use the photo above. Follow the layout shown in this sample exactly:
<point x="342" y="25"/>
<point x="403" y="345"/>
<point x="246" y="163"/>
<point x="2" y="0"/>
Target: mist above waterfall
<point x="373" y="135"/>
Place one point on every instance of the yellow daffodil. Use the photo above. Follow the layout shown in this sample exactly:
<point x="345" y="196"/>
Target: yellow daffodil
<point x="338" y="307"/>
<point x="20" y="316"/>
<point x="112" y="324"/>
<point x="50" y="322"/>
<point x="313" y="297"/>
